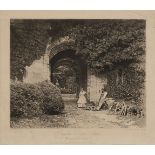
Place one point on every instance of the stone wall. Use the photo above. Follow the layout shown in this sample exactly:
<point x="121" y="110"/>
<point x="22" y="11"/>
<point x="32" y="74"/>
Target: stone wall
<point x="95" y="83"/>
<point x="38" y="71"/>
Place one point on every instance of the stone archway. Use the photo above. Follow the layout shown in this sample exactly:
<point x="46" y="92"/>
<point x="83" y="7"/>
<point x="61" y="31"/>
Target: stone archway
<point x="76" y="77"/>
<point x="55" y="54"/>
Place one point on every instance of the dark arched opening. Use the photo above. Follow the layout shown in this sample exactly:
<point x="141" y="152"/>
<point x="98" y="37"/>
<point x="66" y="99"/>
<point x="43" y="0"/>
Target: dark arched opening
<point x="68" y="71"/>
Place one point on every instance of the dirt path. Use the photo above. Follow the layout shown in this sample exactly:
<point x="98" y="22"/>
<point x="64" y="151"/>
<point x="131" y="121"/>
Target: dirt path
<point x="74" y="117"/>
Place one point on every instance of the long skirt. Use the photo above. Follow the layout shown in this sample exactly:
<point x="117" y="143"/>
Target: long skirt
<point x="82" y="101"/>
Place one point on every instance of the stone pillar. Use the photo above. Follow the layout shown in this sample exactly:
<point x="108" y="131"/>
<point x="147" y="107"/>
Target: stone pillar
<point x="38" y="71"/>
<point x="88" y="83"/>
<point x="95" y="83"/>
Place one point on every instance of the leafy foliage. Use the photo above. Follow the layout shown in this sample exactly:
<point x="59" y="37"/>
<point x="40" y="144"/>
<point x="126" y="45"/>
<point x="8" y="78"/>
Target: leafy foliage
<point x="102" y="43"/>
<point x="106" y="44"/>
<point x="28" y="100"/>
<point x="52" y="100"/>
<point x="27" y="43"/>
<point x="132" y="87"/>
<point x="25" y="100"/>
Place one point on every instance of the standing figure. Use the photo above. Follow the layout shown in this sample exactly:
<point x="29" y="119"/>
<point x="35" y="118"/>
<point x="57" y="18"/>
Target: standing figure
<point x="57" y="83"/>
<point x="102" y="98"/>
<point x="82" y="99"/>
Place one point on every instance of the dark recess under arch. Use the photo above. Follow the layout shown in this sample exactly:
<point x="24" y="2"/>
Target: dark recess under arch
<point x="69" y="57"/>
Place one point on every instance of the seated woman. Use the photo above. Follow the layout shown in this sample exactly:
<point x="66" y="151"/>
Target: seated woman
<point x="102" y="98"/>
<point x="82" y="99"/>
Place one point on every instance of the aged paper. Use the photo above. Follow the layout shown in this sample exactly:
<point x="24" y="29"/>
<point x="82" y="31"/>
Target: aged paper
<point x="75" y="135"/>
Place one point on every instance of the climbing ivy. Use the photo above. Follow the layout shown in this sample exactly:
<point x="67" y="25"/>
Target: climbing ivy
<point x="108" y="41"/>
<point x="104" y="44"/>
<point x="101" y="43"/>
<point x="28" y="39"/>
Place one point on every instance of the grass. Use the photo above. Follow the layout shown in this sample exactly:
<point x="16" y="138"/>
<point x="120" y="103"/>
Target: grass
<point x="72" y="117"/>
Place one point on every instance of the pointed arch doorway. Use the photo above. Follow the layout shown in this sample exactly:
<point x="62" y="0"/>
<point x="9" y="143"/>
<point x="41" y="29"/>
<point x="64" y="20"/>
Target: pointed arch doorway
<point x="68" y="72"/>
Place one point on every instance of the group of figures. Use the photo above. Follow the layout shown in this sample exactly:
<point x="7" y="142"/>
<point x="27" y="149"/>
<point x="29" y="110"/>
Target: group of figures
<point x="82" y="101"/>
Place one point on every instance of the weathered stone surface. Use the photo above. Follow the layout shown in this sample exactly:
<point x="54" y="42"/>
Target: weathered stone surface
<point x="38" y="71"/>
<point x="94" y="85"/>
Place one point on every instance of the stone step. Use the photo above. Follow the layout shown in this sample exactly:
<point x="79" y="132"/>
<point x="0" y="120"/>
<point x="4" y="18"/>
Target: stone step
<point x="69" y="97"/>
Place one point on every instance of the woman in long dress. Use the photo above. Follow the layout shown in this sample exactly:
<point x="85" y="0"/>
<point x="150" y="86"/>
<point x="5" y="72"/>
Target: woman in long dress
<point x="82" y="99"/>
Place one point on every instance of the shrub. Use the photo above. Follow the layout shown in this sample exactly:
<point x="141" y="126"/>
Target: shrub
<point x="132" y="87"/>
<point x="25" y="100"/>
<point x="28" y="100"/>
<point x="52" y="100"/>
<point x="66" y="91"/>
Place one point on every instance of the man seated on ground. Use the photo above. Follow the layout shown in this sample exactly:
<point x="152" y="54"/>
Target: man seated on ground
<point x="102" y="98"/>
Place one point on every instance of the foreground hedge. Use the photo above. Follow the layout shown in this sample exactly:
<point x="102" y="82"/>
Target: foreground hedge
<point x="28" y="100"/>
<point x="52" y="101"/>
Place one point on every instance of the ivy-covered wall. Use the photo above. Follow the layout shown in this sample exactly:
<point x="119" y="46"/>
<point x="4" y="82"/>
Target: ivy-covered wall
<point x="125" y="83"/>
<point x="101" y="42"/>
<point x="104" y="45"/>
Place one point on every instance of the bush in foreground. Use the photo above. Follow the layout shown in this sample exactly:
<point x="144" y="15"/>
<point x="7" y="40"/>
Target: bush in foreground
<point x="52" y="100"/>
<point x="25" y="100"/>
<point x="28" y="100"/>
